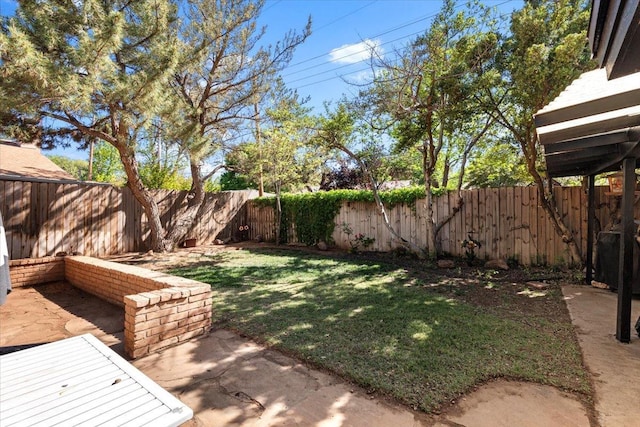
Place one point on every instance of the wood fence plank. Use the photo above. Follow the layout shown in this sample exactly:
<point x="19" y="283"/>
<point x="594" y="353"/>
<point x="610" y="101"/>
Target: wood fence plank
<point x="559" y="246"/>
<point x="517" y="223"/>
<point x="479" y="232"/>
<point x="413" y="218"/>
<point x="59" y="226"/>
<point x="383" y="235"/>
<point x="51" y="219"/>
<point x="583" y="218"/>
<point x="41" y="205"/>
<point x="459" y="225"/>
<point x="505" y="199"/>
<point x="114" y="232"/>
<point x="76" y="212"/>
<point x="491" y="213"/>
<point x="555" y="243"/>
<point x="533" y="225"/>
<point x="6" y="210"/>
<point x="28" y="239"/>
<point x="575" y="216"/>
<point x="67" y="239"/>
<point x="7" y="195"/>
<point x="97" y="231"/>
<point x="85" y="223"/>
<point x="525" y="218"/>
<point x="11" y="195"/>
<point x="444" y="211"/>
<point x="26" y="220"/>
<point x="542" y="233"/>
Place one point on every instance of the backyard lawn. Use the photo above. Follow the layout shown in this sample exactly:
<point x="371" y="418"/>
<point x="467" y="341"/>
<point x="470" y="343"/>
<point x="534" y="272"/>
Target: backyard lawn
<point x="421" y="335"/>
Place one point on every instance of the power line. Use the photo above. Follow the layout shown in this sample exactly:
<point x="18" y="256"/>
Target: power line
<point x="399" y="27"/>
<point x="345" y="16"/>
<point x="357" y="53"/>
<point x="391" y="30"/>
<point x="275" y="3"/>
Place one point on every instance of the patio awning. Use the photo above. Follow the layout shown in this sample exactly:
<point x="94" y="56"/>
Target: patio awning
<point x="592" y="125"/>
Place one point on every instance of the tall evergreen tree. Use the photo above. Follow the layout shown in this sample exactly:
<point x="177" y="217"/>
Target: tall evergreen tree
<point x="107" y="70"/>
<point x="90" y="69"/>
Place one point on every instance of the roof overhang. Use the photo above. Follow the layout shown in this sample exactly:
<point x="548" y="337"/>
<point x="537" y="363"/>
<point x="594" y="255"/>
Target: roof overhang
<point x="614" y="31"/>
<point x="592" y="125"/>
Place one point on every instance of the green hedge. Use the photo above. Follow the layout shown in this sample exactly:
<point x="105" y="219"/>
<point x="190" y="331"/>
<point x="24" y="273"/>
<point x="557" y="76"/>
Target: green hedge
<point x="313" y="214"/>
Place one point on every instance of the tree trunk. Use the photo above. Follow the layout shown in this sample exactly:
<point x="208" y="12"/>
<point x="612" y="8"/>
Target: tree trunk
<point x="184" y="222"/>
<point x="428" y="164"/>
<point x="412" y="247"/>
<point x="431" y="229"/>
<point x="144" y="197"/>
<point x="548" y="203"/>
<point x="445" y="171"/>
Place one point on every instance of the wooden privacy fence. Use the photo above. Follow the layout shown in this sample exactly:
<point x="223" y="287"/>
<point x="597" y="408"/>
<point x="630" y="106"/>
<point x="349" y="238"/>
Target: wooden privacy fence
<point x="43" y="218"/>
<point x="508" y="222"/>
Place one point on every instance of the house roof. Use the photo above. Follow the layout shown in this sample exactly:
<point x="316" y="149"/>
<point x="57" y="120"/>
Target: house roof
<point x="26" y="161"/>
<point x="592" y="125"/>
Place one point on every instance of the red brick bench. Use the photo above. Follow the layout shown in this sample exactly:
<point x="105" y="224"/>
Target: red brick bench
<point x="160" y="310"/>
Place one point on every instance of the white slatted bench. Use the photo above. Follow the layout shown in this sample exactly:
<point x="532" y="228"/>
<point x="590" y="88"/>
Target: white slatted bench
<point x="81" y="381"/>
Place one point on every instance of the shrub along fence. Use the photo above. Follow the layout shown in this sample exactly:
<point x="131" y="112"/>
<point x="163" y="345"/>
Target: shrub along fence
<point x="508" y="222"/>
<point x="45" y="217"/>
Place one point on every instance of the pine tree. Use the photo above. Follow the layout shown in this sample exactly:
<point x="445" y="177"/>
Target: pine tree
<point x="108" y="70"/>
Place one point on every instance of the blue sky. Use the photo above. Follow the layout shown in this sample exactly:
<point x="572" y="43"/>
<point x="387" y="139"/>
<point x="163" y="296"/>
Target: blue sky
<point x="343" y="32"/>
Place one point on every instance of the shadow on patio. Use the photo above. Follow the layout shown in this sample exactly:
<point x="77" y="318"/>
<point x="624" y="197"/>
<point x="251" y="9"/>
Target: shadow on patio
<point x="55" y="311"/>
<point x="230" y="381"/>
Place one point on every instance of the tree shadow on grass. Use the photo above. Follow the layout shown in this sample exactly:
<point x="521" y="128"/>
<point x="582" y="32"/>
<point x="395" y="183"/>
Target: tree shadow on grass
<point x="374" y="323"/>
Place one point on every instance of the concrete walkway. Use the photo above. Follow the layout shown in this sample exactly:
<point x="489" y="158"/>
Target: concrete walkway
<point x="231" y="381"/>
<point x="615" y="367"/>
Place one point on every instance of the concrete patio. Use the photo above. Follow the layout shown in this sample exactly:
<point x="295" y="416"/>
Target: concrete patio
<point x="231" y="381"/>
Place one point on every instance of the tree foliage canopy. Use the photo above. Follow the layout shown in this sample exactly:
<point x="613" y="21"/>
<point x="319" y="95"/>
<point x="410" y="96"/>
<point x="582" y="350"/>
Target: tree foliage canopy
<point x="111" y="71"/>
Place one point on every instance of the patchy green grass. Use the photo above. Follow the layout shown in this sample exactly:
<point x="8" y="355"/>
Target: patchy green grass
<point x="393" y="329"/>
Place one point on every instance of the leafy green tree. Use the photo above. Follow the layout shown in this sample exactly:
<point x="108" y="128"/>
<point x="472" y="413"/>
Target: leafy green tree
<point x="91" y="69"/>
<point x="284" y="158"/>
<point x="162" y="163"/>
<point x="546" y="50"/>
<point x="76" y="167"/>
<point x="431" y="91"/>
<point x="338" y="130"/>
<point x="232" y="180"/>
<point x="222" y="75"/>
<point x="107" y="166"/>
<point x="498" y="164"/>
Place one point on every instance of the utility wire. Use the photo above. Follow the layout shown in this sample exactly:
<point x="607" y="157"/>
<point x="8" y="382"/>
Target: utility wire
<point x="399" y="27"/>
<point x="356" y="53"/>
<point x="345" y="16"/>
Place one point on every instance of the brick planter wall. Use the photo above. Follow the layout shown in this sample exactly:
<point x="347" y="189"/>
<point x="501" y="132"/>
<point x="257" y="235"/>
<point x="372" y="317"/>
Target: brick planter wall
<point x="35" y="271"/>
<point x="160" y="309"/>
